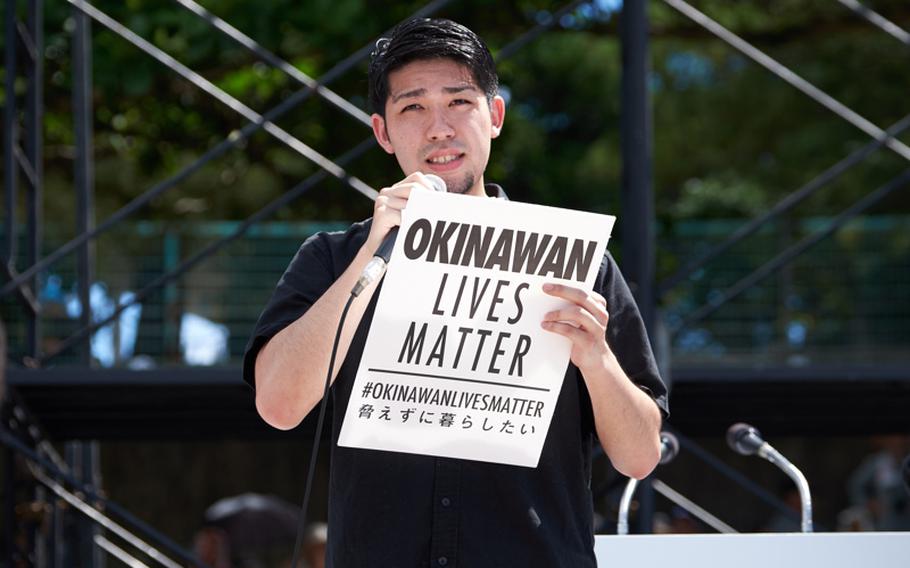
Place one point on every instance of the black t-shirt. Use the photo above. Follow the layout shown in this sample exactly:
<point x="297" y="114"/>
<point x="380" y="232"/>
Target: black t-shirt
<point x="389" y="509"/>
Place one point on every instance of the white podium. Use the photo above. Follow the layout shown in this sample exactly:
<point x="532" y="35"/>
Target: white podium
<point x="764" y="550"/>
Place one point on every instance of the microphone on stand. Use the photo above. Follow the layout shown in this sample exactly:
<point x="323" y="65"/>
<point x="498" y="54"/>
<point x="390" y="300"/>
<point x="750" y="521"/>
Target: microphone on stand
<point x="746" y="440"/>
<point x="905" y="472"/>
<point x="669" y="447"/>
<point x="380" y="261"/>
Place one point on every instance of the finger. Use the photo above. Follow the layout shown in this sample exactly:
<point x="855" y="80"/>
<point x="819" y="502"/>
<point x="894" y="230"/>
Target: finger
<point x="404" y="188"/>
<point x="417" y="180"/>
<point x="577" y="317"/>
<point x="601" y="313"/>
<point x="421" y="179"/>
<point x="390" y="202"/>
<point x="566" y="330"/>
<point x="593" y="302"/>
<point x="571" y="293"/>
<point x="387" y="216"/>
<point x="401" y="190"/>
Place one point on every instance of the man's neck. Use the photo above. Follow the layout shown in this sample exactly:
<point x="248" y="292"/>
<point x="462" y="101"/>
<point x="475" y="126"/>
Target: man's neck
<point x="478" y="189"/>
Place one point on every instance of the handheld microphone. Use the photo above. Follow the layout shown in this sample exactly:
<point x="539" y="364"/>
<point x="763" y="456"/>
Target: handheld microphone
<point x="380" y="261"/>
<point x="669" y="447"/>
<point x="746" y="440"/>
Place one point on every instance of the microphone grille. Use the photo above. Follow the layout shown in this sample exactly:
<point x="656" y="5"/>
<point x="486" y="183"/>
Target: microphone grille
<point x="437" y="182"/>
<point x="743" y="439"/>
<point x="905" y="470"/>
<point x="669" y="447"/>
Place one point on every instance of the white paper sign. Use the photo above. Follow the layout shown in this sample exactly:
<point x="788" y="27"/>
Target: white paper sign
<point x="456" y="363"/>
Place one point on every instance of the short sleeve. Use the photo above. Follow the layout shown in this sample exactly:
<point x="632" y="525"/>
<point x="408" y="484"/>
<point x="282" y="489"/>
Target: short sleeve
<point x="627" y="336"/>
<point x="307" y="277"/>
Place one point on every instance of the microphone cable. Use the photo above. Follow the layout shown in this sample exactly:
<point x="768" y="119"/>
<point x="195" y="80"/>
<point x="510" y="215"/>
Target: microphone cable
<point x="320" y="423"/>
<point x="374" y="270"/>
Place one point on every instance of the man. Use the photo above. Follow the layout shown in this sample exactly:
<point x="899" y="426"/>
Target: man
<point x="433" y="88"/>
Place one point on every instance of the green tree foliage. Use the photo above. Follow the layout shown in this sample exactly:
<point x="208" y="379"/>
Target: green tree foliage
<point x="730" y="139"/>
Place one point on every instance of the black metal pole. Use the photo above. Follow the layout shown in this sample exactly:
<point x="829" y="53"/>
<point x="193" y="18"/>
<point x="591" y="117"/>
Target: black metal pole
<point x="637" y="218"/>
<point x="44" y="548"/>
<point x="10" y="139"/>
<point x="92" y="473"/>
<point x="84" y="171"/>
<point x="637" y="215"/>
<point x="84" y="456"/>
<point x="73" y="550"/>
<point x="9" y="506"/>
<point x="34" y="120"/>
<point x="58" y="542"/>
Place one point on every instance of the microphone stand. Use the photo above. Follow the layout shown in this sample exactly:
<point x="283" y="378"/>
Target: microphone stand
<point x="746" y="440"/>
<point x="769" y="453"/>
<point x="622" y="522"/>
<point x="669" y="447"/>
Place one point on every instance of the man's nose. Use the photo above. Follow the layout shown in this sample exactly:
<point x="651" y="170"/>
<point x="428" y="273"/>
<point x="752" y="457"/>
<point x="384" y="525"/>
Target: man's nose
<point x="440" y="128"/>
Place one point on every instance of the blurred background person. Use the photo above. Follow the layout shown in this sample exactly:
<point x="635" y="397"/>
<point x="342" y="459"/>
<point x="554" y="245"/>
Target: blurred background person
<point x="876" y="489"/>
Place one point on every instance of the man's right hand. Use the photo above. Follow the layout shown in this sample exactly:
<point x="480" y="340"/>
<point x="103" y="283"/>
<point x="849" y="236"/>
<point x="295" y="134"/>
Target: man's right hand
<point x="291" y="368"/>
<point x="389" y="204"/>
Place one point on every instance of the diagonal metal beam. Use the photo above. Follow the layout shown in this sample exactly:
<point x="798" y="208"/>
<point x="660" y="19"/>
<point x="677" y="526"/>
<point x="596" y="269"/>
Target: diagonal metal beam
<point x="102" y="520"/>
<point x="790" y="77"/>
<point x="792" y="252"/>
<point x="241" y="229"/>
<point x="267" y="211"/>
<point x="733" y="475"/>
<point x="222" y="96"/>
<point x="10" y="441"/>
<point x="23" y="422"/>
<point x="27" y="41"/>
<point x="25" y="166"/>
<point x="23" y="291"/>
<point x="878" y="20"/>
<point x="518" y="43"/>
<point x="781" y="207"/>
<point x="232" y="141"/>
<point x="118" y="553"/>
<point x="692" y="507"/>
<point x="275" y="61"/>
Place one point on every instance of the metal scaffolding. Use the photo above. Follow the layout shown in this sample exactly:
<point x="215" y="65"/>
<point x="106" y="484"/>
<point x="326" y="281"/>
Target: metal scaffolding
<point x="74" y="478"/>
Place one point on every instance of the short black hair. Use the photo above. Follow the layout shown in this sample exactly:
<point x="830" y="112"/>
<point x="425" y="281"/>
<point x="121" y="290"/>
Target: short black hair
<point x="429" y="38"/>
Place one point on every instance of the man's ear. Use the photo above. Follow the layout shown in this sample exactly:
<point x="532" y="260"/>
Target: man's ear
<point x="497" y="115"/>
<point x="381" y="133"/>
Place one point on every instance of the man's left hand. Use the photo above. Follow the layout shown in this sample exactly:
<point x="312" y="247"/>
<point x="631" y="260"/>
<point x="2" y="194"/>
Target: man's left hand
<point x="583" y="322"/>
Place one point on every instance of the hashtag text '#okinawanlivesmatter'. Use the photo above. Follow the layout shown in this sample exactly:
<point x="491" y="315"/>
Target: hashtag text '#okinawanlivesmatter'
<point x="452" y="398"/>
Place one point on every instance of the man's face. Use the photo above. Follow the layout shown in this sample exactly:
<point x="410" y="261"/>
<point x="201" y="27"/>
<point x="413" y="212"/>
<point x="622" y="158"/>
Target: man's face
<point x="438" y="121"/>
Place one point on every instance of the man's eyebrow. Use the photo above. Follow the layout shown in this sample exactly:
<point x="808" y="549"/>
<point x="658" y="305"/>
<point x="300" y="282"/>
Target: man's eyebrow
<point x="459" y="89"/>
<point x="409" y="94"/>
<point x="421" y="91"/>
